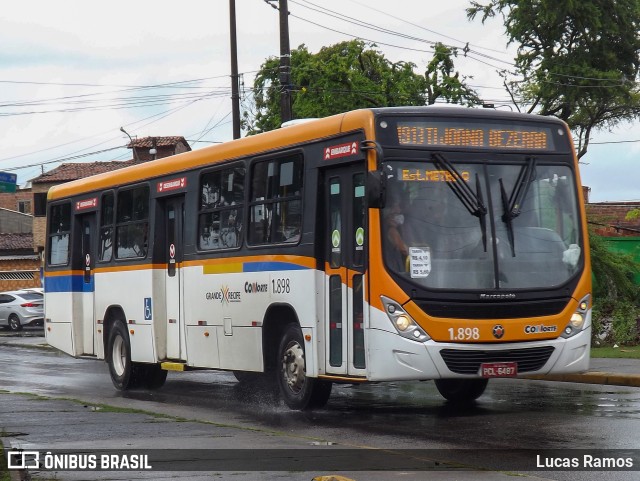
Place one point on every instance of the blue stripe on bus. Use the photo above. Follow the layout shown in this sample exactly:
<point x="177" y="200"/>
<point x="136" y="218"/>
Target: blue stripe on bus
<point x="70" y="283"/>
<point x="75" y="283"/>
<point x="271" y="266"/>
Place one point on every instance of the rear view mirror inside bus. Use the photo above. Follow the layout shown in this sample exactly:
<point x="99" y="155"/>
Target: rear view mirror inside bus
<point x="376" y="189"/>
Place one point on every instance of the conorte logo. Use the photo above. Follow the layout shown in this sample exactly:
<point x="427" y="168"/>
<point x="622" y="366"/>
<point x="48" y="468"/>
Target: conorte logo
<point x="23" y="459"/>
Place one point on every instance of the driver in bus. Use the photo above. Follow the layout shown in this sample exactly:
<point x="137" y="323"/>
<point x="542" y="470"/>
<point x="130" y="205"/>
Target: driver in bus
<point x="394" y="221"/>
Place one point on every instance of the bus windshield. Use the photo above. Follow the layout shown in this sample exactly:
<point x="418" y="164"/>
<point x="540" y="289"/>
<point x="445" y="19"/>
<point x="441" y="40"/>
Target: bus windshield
<point x="527" y="236"/>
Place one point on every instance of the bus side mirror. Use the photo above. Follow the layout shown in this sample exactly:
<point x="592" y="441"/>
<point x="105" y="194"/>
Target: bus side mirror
<point x="376" y="189"/>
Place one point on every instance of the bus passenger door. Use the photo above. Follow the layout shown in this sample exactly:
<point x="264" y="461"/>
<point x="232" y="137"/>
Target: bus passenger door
<point x="88" y="226"/>
<point x="173" y="211"/>
<point x="345" y="263"/>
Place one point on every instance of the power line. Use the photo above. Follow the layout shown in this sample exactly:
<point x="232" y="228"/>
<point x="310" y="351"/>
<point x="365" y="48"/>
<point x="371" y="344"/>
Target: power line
<point x="370" y="26"/>
<point x="88" y="154"/>
<point x="615" y="142"/>
<point x="424" y="28"/>
<point x="121" y="104"/>
<point x="62" y="159"/>
<point x="65" y="84"/>
<point x="399" y="46"/>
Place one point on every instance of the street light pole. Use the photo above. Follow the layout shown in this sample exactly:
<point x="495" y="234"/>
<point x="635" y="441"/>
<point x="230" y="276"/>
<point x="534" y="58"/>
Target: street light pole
<point x="135" y="154"/>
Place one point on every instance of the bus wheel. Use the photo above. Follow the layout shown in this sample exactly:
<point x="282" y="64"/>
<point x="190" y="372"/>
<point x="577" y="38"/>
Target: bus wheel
<point x="298" y="390"/>
<point x="461" y="391"/>
<point x="123" y="374"/>
<point x="153" y="376"/>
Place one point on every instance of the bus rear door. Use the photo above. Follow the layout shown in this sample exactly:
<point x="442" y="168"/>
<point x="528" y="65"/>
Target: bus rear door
<point x="87" y="225"/>
<point x="174" y="282"/>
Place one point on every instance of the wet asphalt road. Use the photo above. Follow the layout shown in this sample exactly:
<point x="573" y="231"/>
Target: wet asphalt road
<point x="512" y="414"/>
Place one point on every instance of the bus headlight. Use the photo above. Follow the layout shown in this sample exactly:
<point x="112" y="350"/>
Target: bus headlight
<point x="402" y="321"/>
<point x="578" y="318"/>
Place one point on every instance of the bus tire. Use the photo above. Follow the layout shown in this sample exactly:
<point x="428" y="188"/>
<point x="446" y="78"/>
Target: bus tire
<point x="124" y="373"/>
<point x="153" y="376"/>
<point x="461" y="391"/>
<point x="297" y="390"/>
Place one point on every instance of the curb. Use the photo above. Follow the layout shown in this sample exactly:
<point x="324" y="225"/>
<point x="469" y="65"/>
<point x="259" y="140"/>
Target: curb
<point x="42" y="346"/>
<point x="592" y="377"/>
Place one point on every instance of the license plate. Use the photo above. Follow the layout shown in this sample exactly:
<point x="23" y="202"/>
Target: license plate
<point x="499" y="369"/>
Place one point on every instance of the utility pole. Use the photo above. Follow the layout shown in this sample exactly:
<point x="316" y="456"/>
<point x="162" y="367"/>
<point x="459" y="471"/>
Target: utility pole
<point x="285" y="63"/>
<point x="235" y="87"/>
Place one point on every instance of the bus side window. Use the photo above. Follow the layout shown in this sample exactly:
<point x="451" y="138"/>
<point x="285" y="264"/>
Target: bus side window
<point x="276" y="201"/>
<point x="132" y="223"/>
<point x="59" y="233"/>
<point x="106" y="227"/>
<point x="221" y="209"/>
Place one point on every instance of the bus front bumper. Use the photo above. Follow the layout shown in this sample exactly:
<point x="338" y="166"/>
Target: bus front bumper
<point x="394" y="358"/>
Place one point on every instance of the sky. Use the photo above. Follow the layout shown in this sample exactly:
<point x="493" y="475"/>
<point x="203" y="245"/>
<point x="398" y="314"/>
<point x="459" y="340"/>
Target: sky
<point x="73" y="72"/>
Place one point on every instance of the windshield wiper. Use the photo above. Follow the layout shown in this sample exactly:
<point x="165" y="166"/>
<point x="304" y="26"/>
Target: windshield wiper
<point x="512" y="207"/>
<point x="472" y="201"/>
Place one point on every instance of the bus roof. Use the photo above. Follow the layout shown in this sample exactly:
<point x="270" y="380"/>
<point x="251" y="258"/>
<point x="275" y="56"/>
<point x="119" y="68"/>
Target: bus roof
<point x="234" y="149"/>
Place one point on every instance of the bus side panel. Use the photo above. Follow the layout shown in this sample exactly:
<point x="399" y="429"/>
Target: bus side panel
<point x="127" y="289"/>
<point x="234" y="296"/>
<point x="58" y="321"/>
<point x="159" y="312"/>
<point x="65" y="318"/>
<point x="202" y="346"/>
<point x="241" y="351"/>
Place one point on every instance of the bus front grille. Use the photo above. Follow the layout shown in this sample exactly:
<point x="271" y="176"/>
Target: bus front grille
<point x="468" y="361"/>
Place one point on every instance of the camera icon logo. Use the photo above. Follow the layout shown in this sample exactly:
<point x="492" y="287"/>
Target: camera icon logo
<point x="23" y="459"/>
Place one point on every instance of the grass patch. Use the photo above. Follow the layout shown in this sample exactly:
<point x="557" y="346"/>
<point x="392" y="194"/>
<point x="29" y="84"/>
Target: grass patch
<point x="4" y="470"/>
<point x="624" y="352"/>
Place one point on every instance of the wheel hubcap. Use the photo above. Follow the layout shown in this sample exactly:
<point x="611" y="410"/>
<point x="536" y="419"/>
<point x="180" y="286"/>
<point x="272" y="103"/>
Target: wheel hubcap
<point x="293" y="367"/>
<point x="119" y="356"/>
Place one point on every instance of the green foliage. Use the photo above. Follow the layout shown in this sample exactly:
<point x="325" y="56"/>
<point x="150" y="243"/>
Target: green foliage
<point x="4" y="471"/>
<point x="613" y="273"/>
<point x="616" y="295"/>
<point x="625" y="319"/>
<point x="352" y="75"/>
<point x="633" y="214"/>
<point x="577" y="60"/>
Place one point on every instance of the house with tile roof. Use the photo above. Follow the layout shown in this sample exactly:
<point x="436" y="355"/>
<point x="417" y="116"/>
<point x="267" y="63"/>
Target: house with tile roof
<point x="19" y="265"/>
<point x="143" y="149"/>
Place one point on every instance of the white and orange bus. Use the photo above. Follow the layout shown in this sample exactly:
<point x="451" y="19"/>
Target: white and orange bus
<point x="376" y="245"/>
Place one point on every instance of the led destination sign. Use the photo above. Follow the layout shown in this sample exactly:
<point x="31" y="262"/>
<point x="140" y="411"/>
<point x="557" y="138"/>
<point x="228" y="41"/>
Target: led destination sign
<point x="468" y="135"/>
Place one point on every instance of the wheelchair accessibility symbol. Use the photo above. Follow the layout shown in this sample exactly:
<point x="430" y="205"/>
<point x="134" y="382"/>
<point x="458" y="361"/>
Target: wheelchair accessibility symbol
<point x="148" y="312"/>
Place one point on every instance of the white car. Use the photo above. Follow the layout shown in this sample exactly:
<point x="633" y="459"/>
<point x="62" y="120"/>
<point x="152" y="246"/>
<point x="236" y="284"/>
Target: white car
<point x="21" y="308"/>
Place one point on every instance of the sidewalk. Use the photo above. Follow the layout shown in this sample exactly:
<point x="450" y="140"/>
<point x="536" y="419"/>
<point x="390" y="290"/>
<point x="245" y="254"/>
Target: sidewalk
<point x="614" y="372"/>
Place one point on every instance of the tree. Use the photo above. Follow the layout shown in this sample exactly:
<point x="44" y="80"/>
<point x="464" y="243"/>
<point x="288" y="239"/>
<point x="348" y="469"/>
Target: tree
<point x="352" y="75"/>
<point x="578" y="59"/>
<point x="443" y="82"/>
